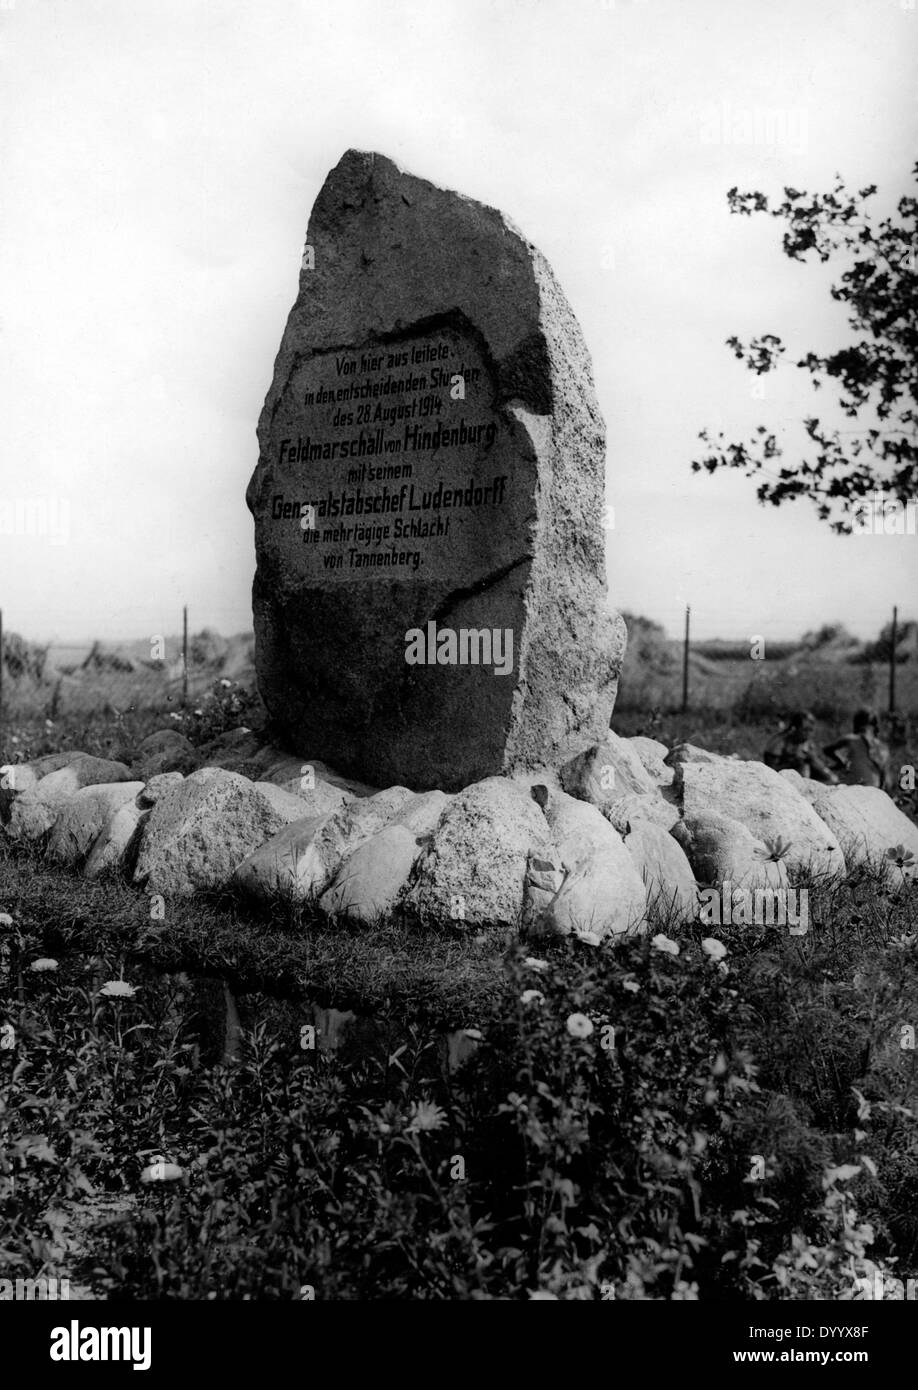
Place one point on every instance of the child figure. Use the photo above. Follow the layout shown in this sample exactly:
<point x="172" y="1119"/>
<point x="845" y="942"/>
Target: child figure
<point x="793" y="747"/>
<point x="861" y="757"/>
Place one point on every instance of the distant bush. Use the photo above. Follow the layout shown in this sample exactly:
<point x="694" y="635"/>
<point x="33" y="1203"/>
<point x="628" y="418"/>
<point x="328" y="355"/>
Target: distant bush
<point x="906" y="644"/>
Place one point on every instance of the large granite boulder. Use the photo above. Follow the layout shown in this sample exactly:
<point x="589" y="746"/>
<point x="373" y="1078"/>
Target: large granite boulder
<point x="866" y="822"/>
<point x="653" y="755"/>
<point x="34" y="811"/>
<point x="164" y="751"/>
<point x="302" y="775"/>
<point x="602" y="893"/>
<point x="767" y="805"/>
<point x="158" y="786"/>
<point x="319" y="798"/>
<point x="83" y="817"/>
<point x="370" y="880"/>
<point x="473" y="871"/>
<point x="691" y="753"/>
<point x="657" y="807"/>
<point x="429" y="599"/>
<point x="53" y="762"/>
<point x="114" y="848"/>
<point x="606" y="772"/>
<point x="301" y="861"/>
<point x="662" y="864"/>
<point x="201" y="829"/>
<point x="286" y="865"/>
<point x="722" y="851"/>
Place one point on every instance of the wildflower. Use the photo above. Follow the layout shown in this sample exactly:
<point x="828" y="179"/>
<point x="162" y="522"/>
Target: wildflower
<point x="533" y="963"/>
<point x="5" y="919"/>
<point x="43" y="963"/>
<point x="160" y="1171"/>
<point x="663" y="943"/>
<point x="474" y="1033"/>
<point x="225" y="683"/>
<point x="199" y="711"/>
<point x="590" y="937"/>
<point x="532" y="996"/>
<point x="49" y="723"/>
<point x="579" y="1026"/>
<point x="631" y="986"/>
<point x="713" y="948"/>
<point x="173" y="714"/>
<point x="14" y="738"/>
<point x="118" y="989"/>
<point x="426" y="1115"/>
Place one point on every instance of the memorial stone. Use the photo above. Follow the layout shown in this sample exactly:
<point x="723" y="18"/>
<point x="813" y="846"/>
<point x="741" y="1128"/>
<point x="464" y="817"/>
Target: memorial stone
<point x="429" y="600"/>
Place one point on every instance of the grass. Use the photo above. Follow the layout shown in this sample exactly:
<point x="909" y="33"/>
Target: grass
<point x="582" y="1168"/>
<point x="440" y="977"/>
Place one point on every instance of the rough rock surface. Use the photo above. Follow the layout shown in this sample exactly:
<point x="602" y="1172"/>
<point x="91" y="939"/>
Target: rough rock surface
<point x="302" y="861"/>
<point x="15" y="778"/>
<point x="156" y="786"/>
<point x="721" y="850"/>
<point x="87" y="771"/>
<point x="602" y="892"/>
<point x="18" y="777"/>
<point x="319" y="799"/>
<point x="160" y="740"/>
<point x="291" y="806"/>
<point x="865" y="821"/>
<point x="767" y="804"/>
<point x="286" y="864"/>
<point x="542" y="884"/>
<point x="474" y="870"/>
<point x="370" y="880"/>
<point x="607" y="772"/>
<point x="658" y="807"/>
<point x="690" y="753"/>
<point x="166" y="750"/>
<point x="33" y="813"/>
<point x="83" y="817"/>
<point x="117" y="841"/>
<point x="411" y="283"/>
<point x="301" y="775"/>
<point x="653" y="755"/>
<point x="666" y="871"/>
<point x="200" y="830"/>
<point x="32" y="816"/>
<point x="52" y="762"/>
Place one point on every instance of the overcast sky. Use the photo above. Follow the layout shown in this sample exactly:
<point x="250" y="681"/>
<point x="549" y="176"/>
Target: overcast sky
<point x="159" y="160"/>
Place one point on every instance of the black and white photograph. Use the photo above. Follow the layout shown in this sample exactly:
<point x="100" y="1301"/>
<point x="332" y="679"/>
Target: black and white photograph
<point x="458" y="672"/>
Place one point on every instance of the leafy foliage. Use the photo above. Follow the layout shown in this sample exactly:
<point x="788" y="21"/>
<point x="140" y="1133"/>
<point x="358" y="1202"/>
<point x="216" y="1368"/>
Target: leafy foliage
<point x="876" y="375"/>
